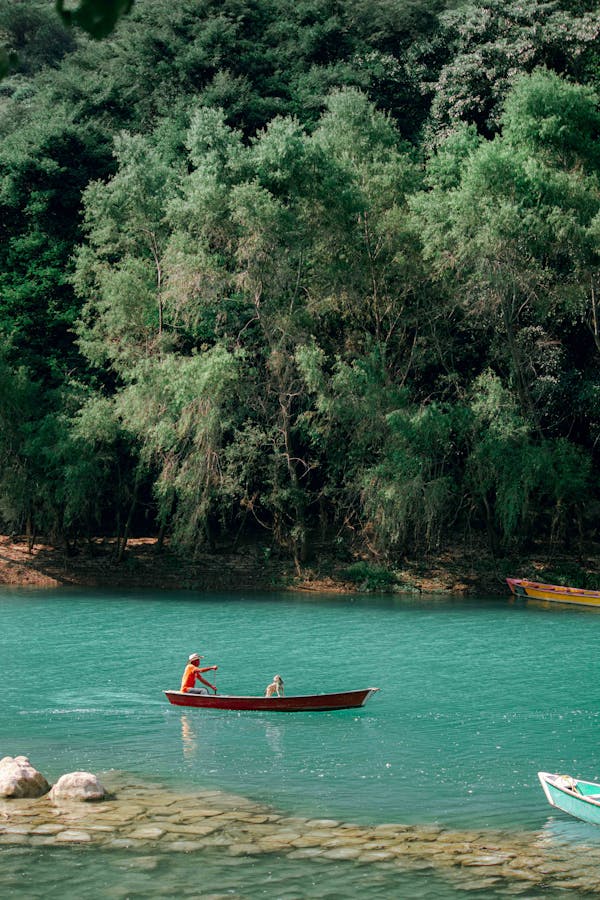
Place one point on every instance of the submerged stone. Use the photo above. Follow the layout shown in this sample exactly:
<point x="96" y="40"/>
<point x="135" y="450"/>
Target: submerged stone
<point x="243" y="849"/>
<point x="341" y="853"/>
<point x="185" y="846"/>
<point x="119" y="812"/>
<point x="48" y="828"/>
<point x="523" y="874"/>
<point x="122" y="844"/>
<point x="344" y="841"/>
<point x="144" y="863"/>
<point x="375" y="856"/>
<point x="318" y="823"/>
<point x="198" y="830"/>
<point x="491" y="860"/>
<point x="305" y="853"/>
<point x="147" y="832"/>
<point x="480" y="884"/>
<point x="284" y="835"/>
<point x="73" y="837"/>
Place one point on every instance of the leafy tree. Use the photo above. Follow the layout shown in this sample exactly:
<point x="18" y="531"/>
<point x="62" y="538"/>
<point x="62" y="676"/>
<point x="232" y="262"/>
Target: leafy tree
<point x="97" y="17"/>
<point x="43" y="169"/>
<point x="368" y="261"/>
<point x="492" y="43"/>
<point x="18" y="399"/>
<point x="517" y="481"/>
<point x="60" y="454"/>
<point x="515" y="230"/>
<point x="412" y="496"/>
<point x="180" y="409"/>
<point x="32" y="36"/>
<point x="122" y="268"/>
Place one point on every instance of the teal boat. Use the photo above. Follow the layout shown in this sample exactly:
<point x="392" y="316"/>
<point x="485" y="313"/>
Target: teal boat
<point x="578" y="798"/>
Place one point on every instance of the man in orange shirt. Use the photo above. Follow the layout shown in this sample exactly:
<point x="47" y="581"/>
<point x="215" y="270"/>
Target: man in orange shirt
<point x="193" y="672"/>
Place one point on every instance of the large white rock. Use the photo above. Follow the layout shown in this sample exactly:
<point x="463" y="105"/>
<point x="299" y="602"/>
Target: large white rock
<point x="78" y="786"/>
<point x="18" y="778"/>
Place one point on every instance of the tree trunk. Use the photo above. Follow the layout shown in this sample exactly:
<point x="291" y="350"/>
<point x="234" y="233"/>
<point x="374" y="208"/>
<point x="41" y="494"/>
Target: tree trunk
<point x="299" y="536"/>
<point x="122" y="544"/>
<point x="30" y="533"/>
<point x="527" y="406"/>
<point x="491" y="528"/>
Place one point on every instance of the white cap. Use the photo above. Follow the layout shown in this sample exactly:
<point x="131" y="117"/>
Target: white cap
<point x="193" y="656"/>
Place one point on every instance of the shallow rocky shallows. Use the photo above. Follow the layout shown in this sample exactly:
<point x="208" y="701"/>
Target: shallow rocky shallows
<point x="151" y="819"/>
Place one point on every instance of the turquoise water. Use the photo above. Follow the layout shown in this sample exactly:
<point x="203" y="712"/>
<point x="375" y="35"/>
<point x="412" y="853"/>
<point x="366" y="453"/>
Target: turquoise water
<point x="476" y="697"/>
<point x="77" y="873"/>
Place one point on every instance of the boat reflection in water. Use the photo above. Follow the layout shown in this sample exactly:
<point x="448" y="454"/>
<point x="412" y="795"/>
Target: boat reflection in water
<point x="274" y="737"/>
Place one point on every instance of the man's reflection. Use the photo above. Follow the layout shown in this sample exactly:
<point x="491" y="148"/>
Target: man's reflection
<point x="189" y="739"/>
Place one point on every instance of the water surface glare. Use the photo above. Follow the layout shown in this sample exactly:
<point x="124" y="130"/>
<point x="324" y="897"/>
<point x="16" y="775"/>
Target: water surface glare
<point x="476" y="697"/>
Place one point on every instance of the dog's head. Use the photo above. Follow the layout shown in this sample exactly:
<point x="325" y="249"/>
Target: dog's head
<point x="278" y="679"/>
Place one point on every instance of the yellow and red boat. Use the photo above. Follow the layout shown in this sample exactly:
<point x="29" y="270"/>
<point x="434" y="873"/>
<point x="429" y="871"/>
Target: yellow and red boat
<point x="557" y="593"/>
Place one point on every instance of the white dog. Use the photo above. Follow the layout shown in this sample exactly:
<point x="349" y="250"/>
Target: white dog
<point x="275" y="689"/>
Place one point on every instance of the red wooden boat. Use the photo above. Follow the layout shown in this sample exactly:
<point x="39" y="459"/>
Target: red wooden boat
<point x="299" y="703"/>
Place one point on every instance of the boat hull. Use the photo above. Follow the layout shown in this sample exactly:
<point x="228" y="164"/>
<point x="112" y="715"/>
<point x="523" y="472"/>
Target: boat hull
<point x="553" y="592"/>
<point x="583" y="804"/>
<point x="306" y="703"/>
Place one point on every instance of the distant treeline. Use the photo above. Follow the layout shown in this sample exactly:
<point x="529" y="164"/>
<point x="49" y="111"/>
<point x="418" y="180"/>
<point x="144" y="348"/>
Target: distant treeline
<point x="303" y="268"/>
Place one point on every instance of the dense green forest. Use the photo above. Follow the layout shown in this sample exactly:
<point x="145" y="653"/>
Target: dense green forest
<point x="317" y="272"/>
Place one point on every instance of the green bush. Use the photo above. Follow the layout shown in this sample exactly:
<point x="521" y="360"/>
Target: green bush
<point x="370" y="577"/>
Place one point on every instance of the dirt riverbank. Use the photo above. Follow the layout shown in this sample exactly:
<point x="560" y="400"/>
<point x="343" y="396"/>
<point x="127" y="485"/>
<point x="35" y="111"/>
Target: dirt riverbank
<point x="255" y="567"/>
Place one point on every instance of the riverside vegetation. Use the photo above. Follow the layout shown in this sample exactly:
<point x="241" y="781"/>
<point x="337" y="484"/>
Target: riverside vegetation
<point x="307" y="273"/>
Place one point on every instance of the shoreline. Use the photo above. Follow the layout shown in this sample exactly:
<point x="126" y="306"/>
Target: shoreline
<point x="152" y="819"/>
<point x="453" y="572"/>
